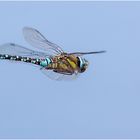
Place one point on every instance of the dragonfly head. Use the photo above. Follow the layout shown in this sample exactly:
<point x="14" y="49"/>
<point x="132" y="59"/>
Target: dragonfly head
<point x="82" y="64"/>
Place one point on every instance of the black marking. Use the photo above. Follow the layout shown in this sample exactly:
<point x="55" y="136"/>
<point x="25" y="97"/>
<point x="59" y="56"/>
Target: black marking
<point x="2" y="56"/>
<point x="6" y="56"/>
<point x="18" y="58"/>
<point x="37" y="61"/>
<point x="78" y="62"/>
<point x="24" y="59"/>
<point x="14" y="57"/>
<point x="28" y="60"/>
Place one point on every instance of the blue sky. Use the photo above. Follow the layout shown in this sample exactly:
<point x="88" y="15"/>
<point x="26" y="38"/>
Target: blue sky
<point x="103" y="102"/>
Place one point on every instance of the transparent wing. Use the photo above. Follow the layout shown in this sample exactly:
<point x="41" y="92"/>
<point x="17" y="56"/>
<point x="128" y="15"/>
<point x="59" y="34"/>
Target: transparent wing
<point x="85" y="53"/>
<point x="14" y="49"/>
<point x="59" y="76"/>
<point x="36" y="39"/>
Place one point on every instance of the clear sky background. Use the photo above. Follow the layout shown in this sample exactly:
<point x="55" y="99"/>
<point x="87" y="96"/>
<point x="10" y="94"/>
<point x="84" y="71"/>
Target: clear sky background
<point x="104" y="102"/>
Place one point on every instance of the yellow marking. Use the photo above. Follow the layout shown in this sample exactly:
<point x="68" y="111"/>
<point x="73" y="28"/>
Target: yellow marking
<point x="64" y="66"/>
<point x="54" y="65"/>
<point x="72" y="63"/>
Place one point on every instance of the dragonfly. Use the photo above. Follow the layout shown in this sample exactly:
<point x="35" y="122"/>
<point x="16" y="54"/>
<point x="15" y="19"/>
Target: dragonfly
<point x="52" y="60"/>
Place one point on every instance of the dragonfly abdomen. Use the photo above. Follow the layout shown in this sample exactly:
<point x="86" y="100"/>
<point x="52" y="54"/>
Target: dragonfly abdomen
<point x="19" y="58"/>
<point x="37" y="61"/>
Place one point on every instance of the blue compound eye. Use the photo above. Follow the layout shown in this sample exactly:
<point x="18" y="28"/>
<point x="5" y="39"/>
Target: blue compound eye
<point x="82" y="64"/>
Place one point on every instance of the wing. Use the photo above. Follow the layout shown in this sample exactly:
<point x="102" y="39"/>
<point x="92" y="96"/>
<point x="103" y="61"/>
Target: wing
<point x="14" y="49"/>
<point x="36" y="39"/>
<point x="59" y="76"/>
<point x="85" y="53"/>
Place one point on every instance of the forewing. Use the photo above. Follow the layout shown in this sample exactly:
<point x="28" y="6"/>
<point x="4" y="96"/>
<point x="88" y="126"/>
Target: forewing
<point x="85" y="53"/>
<point x="59" y="76"/>
<point x="36" y="39"/>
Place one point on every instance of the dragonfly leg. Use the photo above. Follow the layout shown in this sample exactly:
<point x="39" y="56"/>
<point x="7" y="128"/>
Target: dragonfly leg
<point x="61" y="72"/>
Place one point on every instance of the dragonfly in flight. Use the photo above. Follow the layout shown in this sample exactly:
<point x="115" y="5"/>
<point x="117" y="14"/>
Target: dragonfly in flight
<point x="52" y="60"/>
